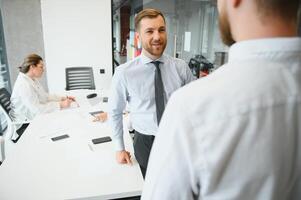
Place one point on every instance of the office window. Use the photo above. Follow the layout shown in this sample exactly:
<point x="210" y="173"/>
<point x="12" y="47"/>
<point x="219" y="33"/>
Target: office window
<point x="192" y="28"/>
<point x="4" y="73"/>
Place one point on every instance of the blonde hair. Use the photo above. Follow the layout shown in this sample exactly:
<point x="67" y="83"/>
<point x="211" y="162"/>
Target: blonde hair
<point x="32" y="59"/>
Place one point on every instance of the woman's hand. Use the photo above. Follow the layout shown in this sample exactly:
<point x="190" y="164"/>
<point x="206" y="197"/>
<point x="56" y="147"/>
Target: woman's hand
<point x="65" y="103"/>
<point x="68" y="97"/>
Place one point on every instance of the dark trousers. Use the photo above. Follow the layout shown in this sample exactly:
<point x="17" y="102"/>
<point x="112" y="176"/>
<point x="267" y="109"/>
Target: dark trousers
<point x="142" y="147"/>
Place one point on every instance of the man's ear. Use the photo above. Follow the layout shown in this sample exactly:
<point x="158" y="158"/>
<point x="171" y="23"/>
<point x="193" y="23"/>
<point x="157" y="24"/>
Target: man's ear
<point x="137" y="35"/>
<point x="137" y="40"/>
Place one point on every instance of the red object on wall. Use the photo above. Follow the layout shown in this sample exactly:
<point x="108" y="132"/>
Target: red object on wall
<point x="125" y="13"/>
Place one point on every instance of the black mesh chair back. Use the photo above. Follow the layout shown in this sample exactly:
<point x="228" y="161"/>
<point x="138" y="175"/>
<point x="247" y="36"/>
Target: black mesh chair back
<point x="5" y="100"/>
<point x="79" y="78"/>
<point x="6" y="106"/>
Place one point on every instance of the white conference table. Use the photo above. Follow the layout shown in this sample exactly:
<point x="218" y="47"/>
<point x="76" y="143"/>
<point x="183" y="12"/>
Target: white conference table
<point x="72" y="168"/>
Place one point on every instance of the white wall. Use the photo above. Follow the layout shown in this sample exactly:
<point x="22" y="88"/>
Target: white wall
<point x="77" y="33"/>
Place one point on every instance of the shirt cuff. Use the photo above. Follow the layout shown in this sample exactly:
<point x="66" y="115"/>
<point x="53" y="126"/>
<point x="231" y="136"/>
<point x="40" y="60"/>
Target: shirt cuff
<point x="53" y="97"/>
<point x="119" y="144"/>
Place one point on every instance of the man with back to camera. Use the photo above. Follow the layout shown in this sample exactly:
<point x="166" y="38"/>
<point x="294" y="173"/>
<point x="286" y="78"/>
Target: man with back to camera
<point x="240" y="137"/>
<point x="146" y="83"/>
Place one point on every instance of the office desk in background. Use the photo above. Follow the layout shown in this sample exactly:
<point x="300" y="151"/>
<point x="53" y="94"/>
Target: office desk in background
<point x="72" y="168"/>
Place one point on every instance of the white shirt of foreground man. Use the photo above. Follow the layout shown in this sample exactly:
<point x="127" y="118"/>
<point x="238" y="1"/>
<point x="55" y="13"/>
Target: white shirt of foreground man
<point x="246" y="143"/>
<point x="239" y="137"/>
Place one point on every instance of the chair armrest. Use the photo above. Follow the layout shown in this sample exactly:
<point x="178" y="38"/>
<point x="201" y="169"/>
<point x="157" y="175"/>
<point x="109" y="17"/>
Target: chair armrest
<point x="20" y="122"/>
<point x="2" y="149"/>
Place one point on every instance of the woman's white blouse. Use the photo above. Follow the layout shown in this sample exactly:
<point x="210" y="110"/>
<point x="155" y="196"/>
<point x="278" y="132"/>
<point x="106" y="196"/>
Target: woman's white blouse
<point x="29" y="99"/>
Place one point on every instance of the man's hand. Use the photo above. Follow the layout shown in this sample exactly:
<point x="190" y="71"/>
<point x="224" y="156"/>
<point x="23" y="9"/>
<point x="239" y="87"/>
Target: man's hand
<point x="123" y="157"/>
<point x="101" y="117"/>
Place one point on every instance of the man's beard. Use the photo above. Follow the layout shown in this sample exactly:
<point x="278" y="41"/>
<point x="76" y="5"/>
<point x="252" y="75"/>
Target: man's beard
<point x="152" y="51"/>
<point x="225" y="29"/>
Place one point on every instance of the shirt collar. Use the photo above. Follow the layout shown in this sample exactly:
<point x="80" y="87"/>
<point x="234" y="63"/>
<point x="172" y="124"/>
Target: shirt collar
<point x="250" y="48"/>
<point x="28" y="78"/>
<point x="145" y="60"/>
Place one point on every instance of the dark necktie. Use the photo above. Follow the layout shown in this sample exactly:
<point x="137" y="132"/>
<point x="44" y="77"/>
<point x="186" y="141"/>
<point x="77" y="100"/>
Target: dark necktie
<point x="159" y="92"/>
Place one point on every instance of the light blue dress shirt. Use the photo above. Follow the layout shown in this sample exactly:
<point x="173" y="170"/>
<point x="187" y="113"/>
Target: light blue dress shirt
<point x="133" y="82"/>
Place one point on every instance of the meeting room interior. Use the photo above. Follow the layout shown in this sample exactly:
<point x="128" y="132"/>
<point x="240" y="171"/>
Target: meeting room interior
<point x="66" y="97"/>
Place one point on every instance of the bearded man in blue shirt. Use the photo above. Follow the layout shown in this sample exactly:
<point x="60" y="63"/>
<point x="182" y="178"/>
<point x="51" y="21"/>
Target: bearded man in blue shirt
<point x="145" y="83"/>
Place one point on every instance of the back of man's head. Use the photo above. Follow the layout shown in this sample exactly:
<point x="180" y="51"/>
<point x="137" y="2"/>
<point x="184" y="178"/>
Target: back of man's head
<point x="285" y="9"/>
<point x="253" y="19"/>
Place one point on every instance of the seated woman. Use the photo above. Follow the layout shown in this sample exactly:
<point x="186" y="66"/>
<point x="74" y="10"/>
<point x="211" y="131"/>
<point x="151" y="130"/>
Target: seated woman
<point x="29" y="97"/>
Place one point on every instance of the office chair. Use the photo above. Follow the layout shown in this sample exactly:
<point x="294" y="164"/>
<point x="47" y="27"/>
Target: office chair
<point x="2" y="149"/>
<point x="11" y="125"/>
<point x="79" y="78"/>
<point x="200" y="64"/>
<point x="115" y="62"/>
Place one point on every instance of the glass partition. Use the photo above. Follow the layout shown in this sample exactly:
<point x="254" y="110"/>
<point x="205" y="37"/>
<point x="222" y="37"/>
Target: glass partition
<point x="4" y="73"/>
<point x="192" y="27"/>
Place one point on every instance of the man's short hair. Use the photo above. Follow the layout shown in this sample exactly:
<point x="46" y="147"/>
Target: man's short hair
<point x="147" y="13"/>
<point x="286" y="9"/>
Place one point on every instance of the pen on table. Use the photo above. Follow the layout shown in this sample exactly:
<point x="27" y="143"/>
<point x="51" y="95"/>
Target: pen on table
<point x="72" y="99"/>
